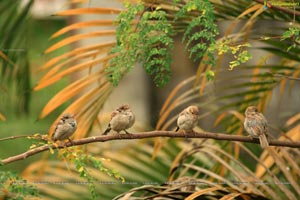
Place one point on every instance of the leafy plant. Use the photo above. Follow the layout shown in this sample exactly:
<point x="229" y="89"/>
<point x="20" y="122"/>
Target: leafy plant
<point x="83" y="163"/>
<point x="293" y="33"/>
<point x="201" y="30"/>
<point x="239" y="53"/>
<point x="132" y="162"/>
<point x="14" y="187"/>
<point x="146" y="40"/>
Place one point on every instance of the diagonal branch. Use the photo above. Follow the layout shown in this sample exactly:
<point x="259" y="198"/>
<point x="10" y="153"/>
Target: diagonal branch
<point x="285" y="10"/>
<point x="143" y="135"/>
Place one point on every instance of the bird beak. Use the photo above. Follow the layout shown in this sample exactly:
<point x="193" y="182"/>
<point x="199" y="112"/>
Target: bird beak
<point x="73" y="124"/>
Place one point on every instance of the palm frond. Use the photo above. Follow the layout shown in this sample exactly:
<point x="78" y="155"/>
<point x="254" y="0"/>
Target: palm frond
<point x="15" y="70"/>
<point x="232" y="9"/>
<point x="193" y="173"/>
<point x="135" y="166"/>
<point x="91" y="90"/>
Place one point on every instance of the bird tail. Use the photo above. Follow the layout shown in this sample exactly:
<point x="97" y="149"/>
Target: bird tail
<point x="263" y="141"/>
<point x="107" y="130"/>
<point x="177" y="129"/>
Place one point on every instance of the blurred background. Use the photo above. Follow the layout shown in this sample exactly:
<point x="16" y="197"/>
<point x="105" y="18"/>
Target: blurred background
<point x="26" y="36"/>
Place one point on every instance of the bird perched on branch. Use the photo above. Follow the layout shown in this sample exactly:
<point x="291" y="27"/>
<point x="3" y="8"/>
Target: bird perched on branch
<point x="188" y="119"/>
<point x="121" y="119"/>
<point x="65" y="128"/>
<point x="256" y="125"/>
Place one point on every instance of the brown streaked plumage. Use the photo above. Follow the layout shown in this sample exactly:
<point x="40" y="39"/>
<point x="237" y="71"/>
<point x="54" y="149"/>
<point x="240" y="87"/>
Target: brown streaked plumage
<point x="65" y="128"/>
<point x="188" y="119"/>
<point x="256" y="125"/>
<point x="121" y="119"/>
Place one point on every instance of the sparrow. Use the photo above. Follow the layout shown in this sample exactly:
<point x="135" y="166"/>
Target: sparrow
<point x="256" y="125"/>
<point x="121" y="119"/>
<point x="64" y="128"/>
<point x="188" y="119"/>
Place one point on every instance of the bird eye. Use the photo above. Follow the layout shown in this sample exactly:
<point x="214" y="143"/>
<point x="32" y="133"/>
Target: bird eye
<point x="66" y="117"/>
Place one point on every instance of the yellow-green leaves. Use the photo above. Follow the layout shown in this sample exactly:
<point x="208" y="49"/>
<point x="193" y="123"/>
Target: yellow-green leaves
<point x="293" y="34"/>
<point x="240" y="57"/>
<point x="210" y="75"/>
<point x="13" y="186"/>
<point x="86" y="164"/>
<point x="239" y="52"/>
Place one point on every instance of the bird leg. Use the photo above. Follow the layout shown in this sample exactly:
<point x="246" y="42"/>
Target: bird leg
<point x="185" y="135"/>
<point x="55" y="144"/>
<point x="253" y="138"/>
<point x="71" y="141"/>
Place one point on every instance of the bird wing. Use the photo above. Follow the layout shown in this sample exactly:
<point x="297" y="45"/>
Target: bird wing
<point x="59" y="123"/>
<point x="113" y="114"/>
<point x="258" y="124"/>
<point x="182" y="112"/>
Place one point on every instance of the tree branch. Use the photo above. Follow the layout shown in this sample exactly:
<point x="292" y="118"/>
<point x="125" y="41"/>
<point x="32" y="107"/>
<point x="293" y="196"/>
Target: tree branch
<point x="285" y="10"/>
<point x="143" y="135"/>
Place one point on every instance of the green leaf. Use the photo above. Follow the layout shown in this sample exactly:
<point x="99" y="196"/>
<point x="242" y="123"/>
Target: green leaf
<point x="210" y="75"/>
<point x="148" y="42"/>
<point x="233" y="64"/>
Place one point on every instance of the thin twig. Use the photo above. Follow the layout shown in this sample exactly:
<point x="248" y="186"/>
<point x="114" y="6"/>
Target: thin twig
<point x="34" y="136"/>
<point x="22" y="136"/>
<point x="285" y="76"/>
<point x="14" y="137"/>
<point x="143" y="135"/>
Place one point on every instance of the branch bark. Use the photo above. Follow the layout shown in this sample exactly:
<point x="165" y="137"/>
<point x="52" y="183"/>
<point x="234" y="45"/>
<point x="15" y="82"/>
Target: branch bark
<point x="285" y="10"/>
<point x="143" y="135"/>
